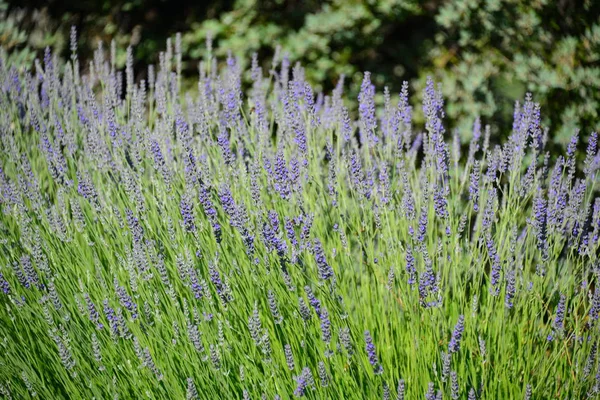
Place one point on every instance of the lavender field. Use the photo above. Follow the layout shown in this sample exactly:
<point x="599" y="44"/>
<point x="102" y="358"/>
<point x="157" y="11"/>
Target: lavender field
<point x="263" y="243"/>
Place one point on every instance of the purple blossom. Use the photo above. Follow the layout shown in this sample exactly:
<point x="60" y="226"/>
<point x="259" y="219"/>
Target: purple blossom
<point x="4" y="285"/>
<point x="371" y="353"/>
<point x="126" y="300"/>
<point x="558" y="323"/>
<point x="440" y="203"/>
<point x="428" y="285"/>
<point x="113" y="321"/>
<point x="303" y="381"/>
<point x="560" y="313"/>
<point x="92" y="312"/>
<point x="539" y="223"/>
<point x="410" y="267"/>
<point x="23" y="280"/>
<point x="32" y="276"/>
<point x="282" y="179"/>
<point x="474" y="186"/>
<point x="496" y="268"/>
<point x="272" y="236"/>
<point x="228" y="204"/>
<point x="314" y="302"/>
<point x="220" y="286"/>
<point x="274" y="308"/>
<point x="422" y="231"/>
<point x="366" y="110"/>
<point x="401" y="389"/>
<point x="187" y="214"/>
<point x="325" y="326"/>
<point x="430" y="394"/>
<point x="289" y="357"/>
<point x="195" y="285"/>
<point x="454" y="345"/>
<point x="325" y="270"/>
<point x="510" y="289"/>
<point x="290" y="232"/>
<point x="209" y="211"/>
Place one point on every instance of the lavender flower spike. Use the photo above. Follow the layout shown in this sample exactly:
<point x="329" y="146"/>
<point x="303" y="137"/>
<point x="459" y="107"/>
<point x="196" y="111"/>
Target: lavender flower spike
<point x="371" y="353"/>
<point x="454" y="345"/>
<point x="325" y="270"/>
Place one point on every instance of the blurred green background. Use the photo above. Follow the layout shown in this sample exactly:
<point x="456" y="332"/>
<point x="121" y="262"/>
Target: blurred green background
<point x="486" y="53"/>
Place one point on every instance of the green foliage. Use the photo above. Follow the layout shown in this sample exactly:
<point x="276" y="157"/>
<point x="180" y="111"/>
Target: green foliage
<point x="488" y="50"/>
<point x="338" y="37"/>
<point x="12" y="38"/>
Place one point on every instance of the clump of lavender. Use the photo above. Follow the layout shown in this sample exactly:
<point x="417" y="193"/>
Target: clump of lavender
<point x="152" y="239"/>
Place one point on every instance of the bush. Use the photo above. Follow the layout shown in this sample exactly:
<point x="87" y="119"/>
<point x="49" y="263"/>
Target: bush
<point x="168" y="244"/>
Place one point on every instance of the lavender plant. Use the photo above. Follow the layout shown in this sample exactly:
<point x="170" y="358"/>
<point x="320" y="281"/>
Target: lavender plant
<point x="224" y="243"/>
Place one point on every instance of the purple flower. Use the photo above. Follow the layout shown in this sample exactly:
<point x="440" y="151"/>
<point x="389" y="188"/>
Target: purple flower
<point x="92" y="312"/>
<point x="410" y="267"/>
<point x="307" y="221"/>
<point x="126" y="300"/>
<point x="290" y="232"/>
<point x="210" y="211"/>
<point x="539" y="223"/>
<point x="228" y="204"/>
<point x="222" y="289"/>
<point x="272" y="237"/>
<point x="356" y="173"/>
<point x="422" y="232"/>
<point x="430" y="394"/>
<point x="455" y="389"/>
<point x="113" y="321"/>
<point x="23" y="280"/>
<point x="591" y="153"/>
<point x="428" y="285"/>
<point x="510" y="289"/>
<point x="196" y="286"/>
<point x="595" y="309"/>
<point x="32" y="276"/>
<point x="304" y="380"/>
<point x="289" y="357"/>
<point x="273" y="307"/>
<point x="371" y="353"/>
<point x="384" y="184"/>
<point x="134" y="226"/>
<point x="472" y="395"/>
<point x="187" y="214"/>
<point x="440" y="202"/>
<point x="314" y="302"/>
<point x="401" y="389"/>
<point x="323" y="375"/>
<point x="325" y="326"/>
<point x="304" y="310"/>
<point x="366" y="110"/>
<point x="325" y="270"/>
<point x="474" y="186"/>
<point x="559" y="320"/>
<point x="454" y="345"/>
<point x="282" y="180"/>
<point x="4" y="285"/>
<point x="496" y="266"/>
